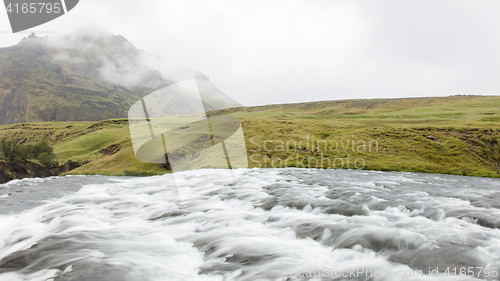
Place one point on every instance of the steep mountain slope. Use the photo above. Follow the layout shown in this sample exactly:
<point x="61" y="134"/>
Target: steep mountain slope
<point x="87" y="75"/>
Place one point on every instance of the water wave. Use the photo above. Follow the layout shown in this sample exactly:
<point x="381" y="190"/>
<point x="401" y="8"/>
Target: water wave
<point x="274" y="224"/>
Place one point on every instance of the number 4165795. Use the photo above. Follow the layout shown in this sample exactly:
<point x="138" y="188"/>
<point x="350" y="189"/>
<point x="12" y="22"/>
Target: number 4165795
<point x="474" y="271"/>
<point x="33" y="8"/>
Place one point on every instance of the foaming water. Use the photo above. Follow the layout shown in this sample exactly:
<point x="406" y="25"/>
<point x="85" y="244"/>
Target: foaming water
<point x="275" y="224"/>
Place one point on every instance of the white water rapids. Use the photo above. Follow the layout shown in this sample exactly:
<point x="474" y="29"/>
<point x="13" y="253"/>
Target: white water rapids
<point x="270" y="224"/>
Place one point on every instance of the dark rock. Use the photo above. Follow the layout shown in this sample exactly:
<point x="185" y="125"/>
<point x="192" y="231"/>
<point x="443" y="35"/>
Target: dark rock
<point x="71" y="165"/>
<point x="431" y="137"/>
<point x="167" y="165"/>
<point x="25" y="169"/>
<point x="110" y="150"/>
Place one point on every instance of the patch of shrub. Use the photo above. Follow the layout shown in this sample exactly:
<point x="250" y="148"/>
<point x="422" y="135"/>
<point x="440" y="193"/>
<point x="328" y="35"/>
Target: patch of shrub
<point x="11" y="150"/>
<point x="42" y="151"/>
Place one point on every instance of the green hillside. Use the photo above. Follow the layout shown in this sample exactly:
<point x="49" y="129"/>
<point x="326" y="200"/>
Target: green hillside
<point x="451" y="135"/>
<point x="87" y="75"/>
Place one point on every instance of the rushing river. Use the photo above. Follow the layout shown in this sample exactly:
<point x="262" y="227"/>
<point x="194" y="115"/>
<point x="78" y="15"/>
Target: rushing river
<point x="270" y="224"/>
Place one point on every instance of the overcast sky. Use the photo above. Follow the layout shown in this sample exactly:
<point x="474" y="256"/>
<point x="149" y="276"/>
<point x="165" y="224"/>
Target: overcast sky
<point x="281" y="51"/>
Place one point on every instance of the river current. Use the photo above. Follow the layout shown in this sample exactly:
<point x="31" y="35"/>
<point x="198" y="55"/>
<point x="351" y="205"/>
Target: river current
<point x="269" y="224"/>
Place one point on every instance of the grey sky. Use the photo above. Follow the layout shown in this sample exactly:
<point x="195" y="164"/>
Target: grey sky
<point x="280" y="51"/>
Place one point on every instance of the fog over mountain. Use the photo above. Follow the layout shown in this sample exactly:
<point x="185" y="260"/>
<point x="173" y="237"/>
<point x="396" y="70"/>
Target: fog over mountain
<point x="89" y="74"/>
<point x="282" y="51"/>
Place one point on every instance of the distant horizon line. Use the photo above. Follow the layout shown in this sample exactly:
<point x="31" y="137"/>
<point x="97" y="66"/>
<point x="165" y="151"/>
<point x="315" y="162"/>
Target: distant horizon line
<point x="371" y="98"/>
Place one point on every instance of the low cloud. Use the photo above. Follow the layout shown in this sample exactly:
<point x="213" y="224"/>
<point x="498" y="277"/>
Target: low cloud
<point x="280" y="51"/>
<point x="65" y="57"/>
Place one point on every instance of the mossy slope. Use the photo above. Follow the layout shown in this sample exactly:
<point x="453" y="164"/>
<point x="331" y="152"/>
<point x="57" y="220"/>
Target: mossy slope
<point x="451" y="135"/>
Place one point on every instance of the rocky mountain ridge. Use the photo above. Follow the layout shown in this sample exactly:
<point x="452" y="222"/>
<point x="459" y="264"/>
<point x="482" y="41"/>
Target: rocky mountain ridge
<point x="87" y="75"/>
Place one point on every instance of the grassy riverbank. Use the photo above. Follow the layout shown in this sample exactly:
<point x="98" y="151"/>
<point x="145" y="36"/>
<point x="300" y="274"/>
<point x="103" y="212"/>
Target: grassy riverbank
<point x="451" y="135"/>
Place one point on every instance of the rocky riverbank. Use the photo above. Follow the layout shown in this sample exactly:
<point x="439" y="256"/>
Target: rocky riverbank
<point x="25" y="169"/>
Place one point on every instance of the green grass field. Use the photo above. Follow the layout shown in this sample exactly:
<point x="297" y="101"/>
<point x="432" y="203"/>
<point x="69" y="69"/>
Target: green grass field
<point x="372" y="134"/>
